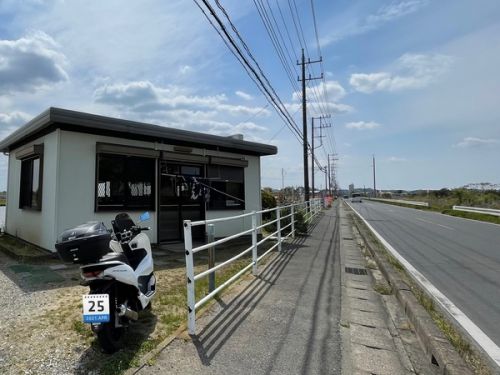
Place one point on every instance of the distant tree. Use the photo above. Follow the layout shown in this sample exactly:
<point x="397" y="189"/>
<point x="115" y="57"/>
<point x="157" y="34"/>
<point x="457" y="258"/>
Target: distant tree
<point x="268" y="189"/>
<point x="442" y="193"/>
<point x="268" y="199"/>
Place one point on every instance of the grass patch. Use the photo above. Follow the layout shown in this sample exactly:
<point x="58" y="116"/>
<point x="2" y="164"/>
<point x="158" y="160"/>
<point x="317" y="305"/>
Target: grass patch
<point x="383" y="288"/>
<point x="82" y="329"/>
<point x="473" y="215"/>
<point x="22" y="251"/>
<point x="454" y="337"/>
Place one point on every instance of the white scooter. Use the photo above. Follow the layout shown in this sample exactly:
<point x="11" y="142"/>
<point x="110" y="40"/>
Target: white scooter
<point x="118" y="270"/>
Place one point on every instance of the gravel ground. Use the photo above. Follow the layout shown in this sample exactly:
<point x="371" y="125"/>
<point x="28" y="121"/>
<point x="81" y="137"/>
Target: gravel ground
<point x="27" y="344"/>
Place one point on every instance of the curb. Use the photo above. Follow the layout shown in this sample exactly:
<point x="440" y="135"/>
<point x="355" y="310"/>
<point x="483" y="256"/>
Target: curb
<point x="440" y="351"/>
<point x="344" y="301"/>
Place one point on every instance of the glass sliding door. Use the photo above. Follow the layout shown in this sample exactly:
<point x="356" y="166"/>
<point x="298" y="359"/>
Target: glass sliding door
<point x="179" y="200"/>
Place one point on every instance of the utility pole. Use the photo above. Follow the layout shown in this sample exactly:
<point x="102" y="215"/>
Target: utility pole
<point x="374" y="184"/>
<point x="321" y="126"/>
<point x="304" y="118"/>
<point x="331" y="167"/>
<point x="326" y="180"/>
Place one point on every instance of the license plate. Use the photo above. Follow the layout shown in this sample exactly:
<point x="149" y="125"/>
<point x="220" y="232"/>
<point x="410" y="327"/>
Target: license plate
<point x="96" y="308"/>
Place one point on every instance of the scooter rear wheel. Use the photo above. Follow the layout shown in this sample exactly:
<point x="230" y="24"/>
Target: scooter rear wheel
<point x="110" y="337"/>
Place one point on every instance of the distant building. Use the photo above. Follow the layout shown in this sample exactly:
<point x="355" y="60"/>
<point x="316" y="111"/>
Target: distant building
<point x="67" y="167"/>
<point x="351" y="188"/>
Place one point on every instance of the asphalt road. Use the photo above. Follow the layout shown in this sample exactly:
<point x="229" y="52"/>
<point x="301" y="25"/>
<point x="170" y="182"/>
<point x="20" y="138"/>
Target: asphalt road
<point x="459" y="257"/>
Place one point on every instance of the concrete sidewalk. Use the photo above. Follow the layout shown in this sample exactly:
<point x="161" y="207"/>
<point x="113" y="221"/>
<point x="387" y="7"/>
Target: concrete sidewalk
<point x="286" y="321"/>
<point x="312" y="310"/>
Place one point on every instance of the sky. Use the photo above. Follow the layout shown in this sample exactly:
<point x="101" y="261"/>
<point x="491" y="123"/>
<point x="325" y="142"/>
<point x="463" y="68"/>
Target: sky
<point x="413" y="83"/>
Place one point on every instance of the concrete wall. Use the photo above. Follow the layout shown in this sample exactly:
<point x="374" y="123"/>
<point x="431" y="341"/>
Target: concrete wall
<point x="37" y="227"/>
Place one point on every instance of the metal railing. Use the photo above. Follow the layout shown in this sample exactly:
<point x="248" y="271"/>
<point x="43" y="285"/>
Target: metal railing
<point x="478" y="210"/>
<point x="285" y="227"/>
<point x="403" y="201"/>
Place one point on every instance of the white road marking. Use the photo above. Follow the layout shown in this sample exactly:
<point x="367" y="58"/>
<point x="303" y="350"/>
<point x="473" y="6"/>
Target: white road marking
<point x="431" y="222"/>
<point x="487" y="344"/>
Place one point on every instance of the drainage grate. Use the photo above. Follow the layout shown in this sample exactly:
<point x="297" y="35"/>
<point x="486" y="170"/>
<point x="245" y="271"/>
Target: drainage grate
<point x="356" y="271"/>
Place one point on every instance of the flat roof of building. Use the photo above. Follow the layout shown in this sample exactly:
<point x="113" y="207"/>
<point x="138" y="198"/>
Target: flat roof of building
<point x="58" y="118"/>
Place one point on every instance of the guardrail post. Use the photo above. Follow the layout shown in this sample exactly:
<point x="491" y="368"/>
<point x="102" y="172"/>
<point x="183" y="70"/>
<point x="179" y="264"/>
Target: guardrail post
<point x="293" y="220"/>
<point x="278" y="225"/>
<point x="211" y="257"/>
<point x="308" y="211"/>
<point x="191" y="299"/>
<point x="254" y="243"/>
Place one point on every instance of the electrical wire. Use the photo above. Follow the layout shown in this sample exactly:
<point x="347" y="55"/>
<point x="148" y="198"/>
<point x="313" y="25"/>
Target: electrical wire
<point x="257" y="78"/>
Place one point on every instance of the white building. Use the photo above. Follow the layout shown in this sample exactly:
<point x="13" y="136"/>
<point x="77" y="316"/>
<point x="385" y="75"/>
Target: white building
<point x="67" y="167"/>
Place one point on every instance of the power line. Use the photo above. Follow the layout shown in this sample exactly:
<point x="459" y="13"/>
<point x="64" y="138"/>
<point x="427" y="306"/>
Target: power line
<point x="257" y="78"/>
<point x="282" y="109"/>
<point x="264" y="16"/>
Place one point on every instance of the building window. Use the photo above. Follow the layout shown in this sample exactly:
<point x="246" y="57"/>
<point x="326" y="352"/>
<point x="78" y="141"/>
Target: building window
<point x="228" y="187"/>
<point x="125" y="182"/>
<point x="31" y="183"/>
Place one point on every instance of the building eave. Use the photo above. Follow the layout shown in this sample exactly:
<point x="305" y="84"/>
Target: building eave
<point x="95" y="124"/>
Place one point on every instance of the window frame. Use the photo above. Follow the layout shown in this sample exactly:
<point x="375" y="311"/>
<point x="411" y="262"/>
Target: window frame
<point x="215" y="205"/>
<point x="26" y="196"/>
<point x="125" y="180"/>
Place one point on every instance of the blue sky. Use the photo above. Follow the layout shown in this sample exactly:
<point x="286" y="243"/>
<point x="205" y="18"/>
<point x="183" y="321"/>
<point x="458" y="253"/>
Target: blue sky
<point x="413" y="82"/>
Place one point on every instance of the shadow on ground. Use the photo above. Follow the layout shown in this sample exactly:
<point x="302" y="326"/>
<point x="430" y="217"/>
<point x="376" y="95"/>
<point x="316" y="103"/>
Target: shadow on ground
<point x="215" y="334"/>
<point x="93" y="360"/>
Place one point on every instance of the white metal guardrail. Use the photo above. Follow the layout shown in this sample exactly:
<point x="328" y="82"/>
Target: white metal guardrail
<point x="309" y="210"/>
<point x="478" y="210"/>
<point x="413" y="203"/>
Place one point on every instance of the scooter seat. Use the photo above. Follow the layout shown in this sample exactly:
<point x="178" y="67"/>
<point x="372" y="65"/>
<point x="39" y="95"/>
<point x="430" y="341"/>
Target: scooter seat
<point x="116" y="257"/>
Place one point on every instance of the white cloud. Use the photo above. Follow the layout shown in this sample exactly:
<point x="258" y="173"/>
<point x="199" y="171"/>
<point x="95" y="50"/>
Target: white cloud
<point x="395" y="159"/>
<point x="185" y="69"/>
<point x="11" y="121"/>
<point x="392" y="11"/>
<point x="383" y="15"/>
<point x="143" y="96"/>
<point x="31" y="62"/>
<point x="473" y="142"/>
<point x="242" y="110"/>
<point x="413" y="71"/>
<point x="244" y="95"/>
<point x="174" y="106"/>
<point x="328" y="93"/>
<point x="333" y="90"/>
<point x="362" y="125"/>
